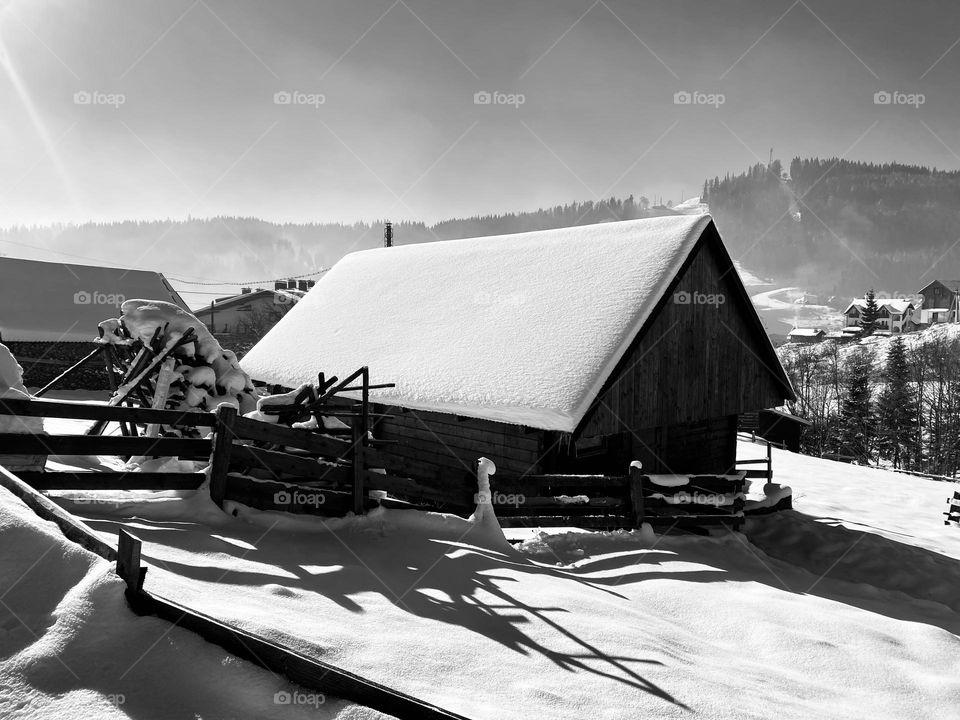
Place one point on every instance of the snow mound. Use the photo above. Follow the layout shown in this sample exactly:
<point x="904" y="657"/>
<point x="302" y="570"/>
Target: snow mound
<point x="521" y="328"/>
<point x="70" y="646"/>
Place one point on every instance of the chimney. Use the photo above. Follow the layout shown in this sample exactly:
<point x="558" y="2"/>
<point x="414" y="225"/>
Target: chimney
<point x="311" y="283"/>
<point x="302" y="285"/>
<point x="280" y="285"/>
<point x="245" y="291"/>
<point x="291" y="284"/>
<point x="388" y="234"/>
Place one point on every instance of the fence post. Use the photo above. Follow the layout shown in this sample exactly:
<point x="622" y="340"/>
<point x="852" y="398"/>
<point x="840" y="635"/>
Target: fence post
<point x="128" y="561"/>
<point x="769" y="463"/>
<point x="220" y="458"/>
<point x="636" y="492"/>
<point x="360" y="427"/>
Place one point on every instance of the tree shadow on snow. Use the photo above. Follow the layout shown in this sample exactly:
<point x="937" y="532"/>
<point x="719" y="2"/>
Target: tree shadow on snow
<point x="438" y="578"/>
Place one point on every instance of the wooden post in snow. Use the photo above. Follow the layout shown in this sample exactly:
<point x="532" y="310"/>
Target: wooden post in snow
<point x="361" y="428"/>
<point x="636" y="492"/>
<point x="220" y="458"/>
<point x="128" y="561"/>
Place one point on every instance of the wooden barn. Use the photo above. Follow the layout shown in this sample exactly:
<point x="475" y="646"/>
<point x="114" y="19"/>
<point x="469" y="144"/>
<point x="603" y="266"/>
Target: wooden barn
<point x="575" y="350"/>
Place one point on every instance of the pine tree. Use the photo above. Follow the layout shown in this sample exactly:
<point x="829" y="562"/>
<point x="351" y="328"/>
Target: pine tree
<point x="857" y="424"/>
<point x="870" y="314"/>
<point x="896" y="410"/>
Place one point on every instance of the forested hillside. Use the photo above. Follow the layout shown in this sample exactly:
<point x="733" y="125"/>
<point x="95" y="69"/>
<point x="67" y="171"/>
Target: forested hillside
<point x="839" y="227"/>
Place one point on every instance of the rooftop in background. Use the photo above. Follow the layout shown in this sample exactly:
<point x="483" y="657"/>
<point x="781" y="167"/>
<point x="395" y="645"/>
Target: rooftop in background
<point x="63" y="302"/>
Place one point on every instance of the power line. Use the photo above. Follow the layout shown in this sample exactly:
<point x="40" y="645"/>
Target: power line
<point x="250" y="282"/>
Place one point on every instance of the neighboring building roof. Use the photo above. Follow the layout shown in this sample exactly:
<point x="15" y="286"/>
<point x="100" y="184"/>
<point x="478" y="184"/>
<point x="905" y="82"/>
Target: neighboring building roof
<point x="283" y="297"/>
<point x="523" y="329"/>
<point x="932" y="284"/>
<point x="892" y="304"/>
<point x="783" y="414"/>
<point x="63" y="302"/>
<point x="805" y="332"/>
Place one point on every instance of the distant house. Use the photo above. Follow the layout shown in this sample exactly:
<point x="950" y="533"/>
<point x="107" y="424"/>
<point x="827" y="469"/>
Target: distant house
<point x="253" y="311"/>
<point x="805" y="335"/>
<point x="895" y="315"/>
<point x="939" y="304"/>
<point x="571" y="350"/>
<point x="49" y="312"/>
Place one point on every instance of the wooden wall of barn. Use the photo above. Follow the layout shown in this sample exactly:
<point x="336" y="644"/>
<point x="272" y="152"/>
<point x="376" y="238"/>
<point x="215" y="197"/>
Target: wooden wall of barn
<point x="696" y="360"/>
<point x="430" y="443"/>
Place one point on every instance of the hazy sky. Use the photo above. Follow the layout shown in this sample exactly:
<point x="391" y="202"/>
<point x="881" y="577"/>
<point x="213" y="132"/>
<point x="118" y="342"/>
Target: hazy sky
<point x="138" y="110"/>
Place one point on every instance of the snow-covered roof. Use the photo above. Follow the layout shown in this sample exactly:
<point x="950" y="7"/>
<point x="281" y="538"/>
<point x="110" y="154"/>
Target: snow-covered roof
<point x="523" y="329"/>
<point x="62" y="302"/>
<point x="805" y="332"/>
<point x="892" y="304"/>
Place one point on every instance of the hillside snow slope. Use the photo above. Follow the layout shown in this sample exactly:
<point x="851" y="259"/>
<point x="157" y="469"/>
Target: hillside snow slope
<point x="843" y="608"/>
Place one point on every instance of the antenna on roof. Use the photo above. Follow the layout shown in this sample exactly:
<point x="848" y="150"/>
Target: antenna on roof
<point x="388" y="234"/>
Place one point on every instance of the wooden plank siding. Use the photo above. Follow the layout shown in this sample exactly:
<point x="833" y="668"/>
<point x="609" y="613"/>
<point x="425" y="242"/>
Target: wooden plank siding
<point x="428" y="441"/>
<point x="692" y="361"/>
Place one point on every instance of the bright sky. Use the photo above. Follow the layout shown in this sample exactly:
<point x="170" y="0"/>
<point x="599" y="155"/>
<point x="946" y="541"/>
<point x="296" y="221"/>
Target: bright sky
<point x="138" y="110"/>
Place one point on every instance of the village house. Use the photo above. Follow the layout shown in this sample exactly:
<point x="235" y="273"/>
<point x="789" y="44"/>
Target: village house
<point x="939" y="305"/>
<point x="805" y="336"/>
<point x="254" y="309"/>
<point x="894" y="315"/>
<point x="570" y="350"/>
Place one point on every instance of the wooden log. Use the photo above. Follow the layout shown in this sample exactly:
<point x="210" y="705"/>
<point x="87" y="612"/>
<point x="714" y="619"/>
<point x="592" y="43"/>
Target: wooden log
<point x="592" y="522"/>
<point x="128" y="561"/>
<point x="68" y="372"/>
<point x="42" y="480"/>
<point x="222" y="449"/>
<point x="86" y="411"/>
<point x="248" y="429"/>
<point x="48" y="510"/>
<point x="11" y="443"/>
<point x="360" y="428"/>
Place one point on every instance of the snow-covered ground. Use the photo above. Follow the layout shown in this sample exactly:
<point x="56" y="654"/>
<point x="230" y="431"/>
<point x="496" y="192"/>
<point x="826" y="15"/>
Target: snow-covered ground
<point x="70" y="647"/>
<point x="846" y="607"/>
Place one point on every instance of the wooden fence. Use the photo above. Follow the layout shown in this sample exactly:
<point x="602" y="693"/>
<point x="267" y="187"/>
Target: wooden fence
<point x="274" y="467"/>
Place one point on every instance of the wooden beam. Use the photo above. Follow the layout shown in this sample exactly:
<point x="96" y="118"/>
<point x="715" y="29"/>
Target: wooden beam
<point x="636" y="494"/>
<point x="48" y="510"/>
<point x="128" y="561"/>
<point x="188" y="448"/>
<point x="68" y="372"/>
<point x="45" y="480"/>
<point x="279" y="435"/>
<point x="109" y="413"/>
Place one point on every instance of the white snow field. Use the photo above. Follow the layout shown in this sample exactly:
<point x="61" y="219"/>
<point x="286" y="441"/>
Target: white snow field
<point x="70" y="647"/>
<point x="846" y="607"/>
<point x="558" y="309"/>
